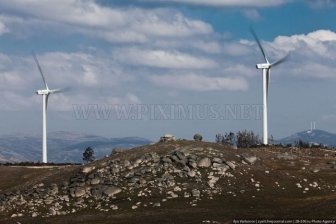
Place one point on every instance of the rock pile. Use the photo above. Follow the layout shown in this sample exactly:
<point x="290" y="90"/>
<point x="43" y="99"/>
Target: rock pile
<point x="180" y="173"/>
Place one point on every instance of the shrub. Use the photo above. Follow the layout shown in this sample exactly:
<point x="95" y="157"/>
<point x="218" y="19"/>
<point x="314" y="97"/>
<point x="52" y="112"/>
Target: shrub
<point x="247" y="139"/>
<point x="198" y="137"/>
<point x="88" y="155"/>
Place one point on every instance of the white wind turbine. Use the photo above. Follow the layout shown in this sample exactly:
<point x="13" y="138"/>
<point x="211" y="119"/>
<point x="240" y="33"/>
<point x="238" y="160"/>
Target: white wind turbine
<point x="266" y="67"/>
<point x="45" y="94"/>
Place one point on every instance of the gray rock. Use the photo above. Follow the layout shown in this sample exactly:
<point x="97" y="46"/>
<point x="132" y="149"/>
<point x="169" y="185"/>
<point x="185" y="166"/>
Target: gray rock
<point x="180" y="155"/>
<point x="111" y="191"/>
<point x="166" y="160"/>
<point x="204" y="162"/>
<point x="95" y="181"/>
<point x="191" y="173"/>
<point x="192" y="164"/>
<point x="52" y="211"/>
<point x="48" y="200"/>
<point x="77" y="192"/>
<point x="97" y="192"/>
<point x="217" y="160"/>
<point x="249" y="159"/>
<point x="174" y="158"/>
<point x="127" y="163"/>
<point x="196" y="193"/>
<point x="88" y="169"/>
<point x="231" y="165"/>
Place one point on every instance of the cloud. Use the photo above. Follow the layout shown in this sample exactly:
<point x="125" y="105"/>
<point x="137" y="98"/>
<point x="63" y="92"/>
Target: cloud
<point x="252" y="14"/>
<point x="314" y="39"/>
<point x="313" y="55"/>
<point x="112" y="24"/>
<point x="228" y="3"/>
<point x="162" y="59"/>
<point x="91" y="76"/>
<point x="237" y="49"/>
<point x="3" y="28"/>
<point x="318" y="4"/>
<point x="201" y="83"/>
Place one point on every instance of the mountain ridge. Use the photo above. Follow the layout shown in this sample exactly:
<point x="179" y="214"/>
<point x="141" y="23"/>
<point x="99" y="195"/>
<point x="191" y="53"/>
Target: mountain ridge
<point x="315" y="136"/>
<point x="63" y="146"/>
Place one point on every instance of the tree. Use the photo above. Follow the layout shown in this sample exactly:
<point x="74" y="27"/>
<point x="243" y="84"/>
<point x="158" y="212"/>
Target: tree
<point x="302" y="144"/>
<point x="198" y="137"/>
<point x="219" y="138"/>
<point x="247" y="139"/>
<point x="229" y="139"/>
<point x="88" y="155"/>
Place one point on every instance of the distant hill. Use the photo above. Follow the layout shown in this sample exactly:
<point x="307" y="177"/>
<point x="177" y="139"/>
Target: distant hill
<point x="314" y="136"/>
<point x="62" y="146"/>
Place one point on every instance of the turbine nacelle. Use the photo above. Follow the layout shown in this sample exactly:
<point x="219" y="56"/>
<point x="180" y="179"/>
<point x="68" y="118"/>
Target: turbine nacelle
<point x="43" y="92"/>
<point x="263" y="66"/>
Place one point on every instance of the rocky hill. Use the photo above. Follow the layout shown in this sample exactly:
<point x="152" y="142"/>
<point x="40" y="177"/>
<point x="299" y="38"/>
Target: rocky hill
<point x="175" y="182"/>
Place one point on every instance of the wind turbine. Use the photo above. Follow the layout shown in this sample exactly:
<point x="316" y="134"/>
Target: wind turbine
<point x="266" y="67"/>
<point x="45" y="94"/>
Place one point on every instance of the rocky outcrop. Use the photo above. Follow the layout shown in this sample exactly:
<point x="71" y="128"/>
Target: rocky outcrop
<point x="184" y="172"/>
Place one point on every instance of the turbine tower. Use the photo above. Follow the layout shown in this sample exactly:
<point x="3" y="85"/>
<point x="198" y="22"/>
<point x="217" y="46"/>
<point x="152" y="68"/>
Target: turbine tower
<point x="266" y="67"/>
<point x="45" y="96"/>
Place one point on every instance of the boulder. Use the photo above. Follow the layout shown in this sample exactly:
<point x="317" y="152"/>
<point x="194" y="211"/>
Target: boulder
<point x="204" y="162"/>
<point x="217" y="160"/>
<point x="95" y="181"/>
<point x="111" y="191"/>
<point x="191" y="173"/>
<point x="88" y="169"/>
<point x="192" y="164"/>
<point x="231" y="165"/>
<point x="249" y="159"/>
<point x="196" y="193"/>
<point x="78" y="192"/>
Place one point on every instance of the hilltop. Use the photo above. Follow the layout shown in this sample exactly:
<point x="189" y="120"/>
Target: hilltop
<point x="314" y="136"/>
<point x="175" y="182"/>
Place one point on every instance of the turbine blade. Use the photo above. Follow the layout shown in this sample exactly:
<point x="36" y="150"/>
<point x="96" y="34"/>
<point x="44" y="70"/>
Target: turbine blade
<point x="281" y="60"/>
<point x="61" y="90"/>
<point x="259" y="44"/>
<point x="40" y="69"/>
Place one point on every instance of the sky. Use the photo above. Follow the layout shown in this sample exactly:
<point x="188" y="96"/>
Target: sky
<point x="149" y="67"/>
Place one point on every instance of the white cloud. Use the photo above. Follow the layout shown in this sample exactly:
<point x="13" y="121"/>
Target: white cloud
<point x="112" y="24"/>
<point x="201" y="83"/>
<point x="228" y="3"/>
<point x="313" y="40"/>
<point x="237" y="69"/>
<point x="252" y="14"/>
<point x="162" y="59"/>
<point x="237" y="49"/>
<point x="314" y="70"/>
<point x="313" y="55"/>
<point x="3" y="28"/>
<point x="318" y="4"/>
<point x="92" y="77"/>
